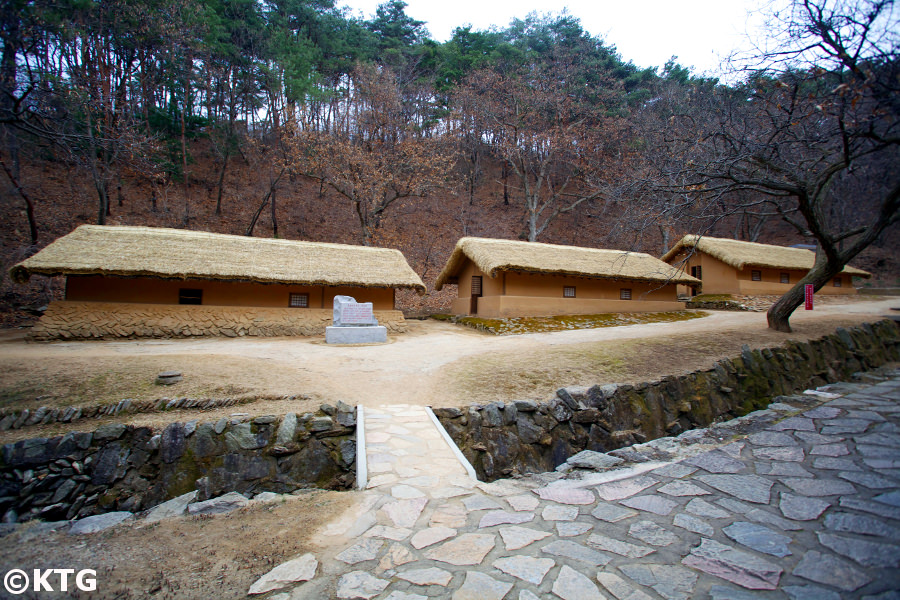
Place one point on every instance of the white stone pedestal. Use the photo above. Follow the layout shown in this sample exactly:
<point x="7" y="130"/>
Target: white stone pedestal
<point x="356" y="335"/>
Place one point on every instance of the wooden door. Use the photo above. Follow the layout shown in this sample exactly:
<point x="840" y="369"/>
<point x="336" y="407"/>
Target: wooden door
<point x="476" y="294"/>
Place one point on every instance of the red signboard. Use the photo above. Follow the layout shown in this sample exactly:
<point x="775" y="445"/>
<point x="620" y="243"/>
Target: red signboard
<point x="808" y="294"/>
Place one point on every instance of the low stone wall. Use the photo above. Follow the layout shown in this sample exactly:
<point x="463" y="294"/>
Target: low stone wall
<point x="11" y="418"/>
<point x="67" y="320"/>
<point x="119" y="467"/>
<point x="525" y="436"/>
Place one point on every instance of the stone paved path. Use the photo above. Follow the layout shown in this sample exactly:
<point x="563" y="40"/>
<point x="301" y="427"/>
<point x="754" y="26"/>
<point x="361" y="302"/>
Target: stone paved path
<point x="406" y="457"/>
<point x="807" y="508"/>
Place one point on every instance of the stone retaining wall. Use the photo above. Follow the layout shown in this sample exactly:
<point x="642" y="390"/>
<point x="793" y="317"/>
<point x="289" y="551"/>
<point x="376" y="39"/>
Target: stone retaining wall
<point x="16" y="419"/>
<point x="119" y="467"/>
<point x="503" y="439"/>
<point x="105" y="320"/>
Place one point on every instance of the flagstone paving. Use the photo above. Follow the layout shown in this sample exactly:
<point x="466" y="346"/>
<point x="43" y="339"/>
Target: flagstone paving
<point x="771" y="516"/>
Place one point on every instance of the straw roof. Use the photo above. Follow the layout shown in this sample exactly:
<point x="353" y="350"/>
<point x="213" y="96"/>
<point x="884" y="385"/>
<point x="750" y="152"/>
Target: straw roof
<point x="493" y="256"/>
<point x="743" y="254"/>
<point x="181" y="254"/>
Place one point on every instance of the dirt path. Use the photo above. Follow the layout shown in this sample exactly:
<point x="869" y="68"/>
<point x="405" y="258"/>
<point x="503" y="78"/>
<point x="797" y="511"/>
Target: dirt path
<point x="435" y="363"/>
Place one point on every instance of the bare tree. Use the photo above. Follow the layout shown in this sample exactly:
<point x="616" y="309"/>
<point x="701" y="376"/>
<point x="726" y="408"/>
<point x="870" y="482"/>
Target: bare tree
<point x="378" y="159"/>
<point x="812" y="135"/>
<point x="555" y="145"/>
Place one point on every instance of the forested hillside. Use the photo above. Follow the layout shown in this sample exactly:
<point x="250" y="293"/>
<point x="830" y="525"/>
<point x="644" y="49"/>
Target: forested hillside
<point x="293" y="119"/>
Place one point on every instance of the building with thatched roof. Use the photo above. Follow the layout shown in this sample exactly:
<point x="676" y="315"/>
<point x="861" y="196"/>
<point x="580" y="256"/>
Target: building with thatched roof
<point x="165" y="276"/>
<point x="734" y="267"/>
<point x="503" y="278"/>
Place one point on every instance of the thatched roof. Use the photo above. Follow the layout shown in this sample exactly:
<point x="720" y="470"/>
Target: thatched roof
<point x="181" y="254"/>
<point x="750" y="254"/>
<point x="493" y="256"/>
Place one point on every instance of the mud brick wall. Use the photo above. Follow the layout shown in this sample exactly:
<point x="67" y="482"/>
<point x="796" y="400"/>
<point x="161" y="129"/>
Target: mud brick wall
<point x="108" y="320"/>
<point x="526" y="436"/>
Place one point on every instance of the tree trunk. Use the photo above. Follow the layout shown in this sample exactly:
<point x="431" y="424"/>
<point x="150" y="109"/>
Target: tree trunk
<point x="505" y="176"/>
<point x="221" y="179"/>
<point x="780" y="313"/>
<point x="184" y="174"/>
<point x="29" y="207"/>
<point x="269" y="196"/>
<point x="274" y="218"/>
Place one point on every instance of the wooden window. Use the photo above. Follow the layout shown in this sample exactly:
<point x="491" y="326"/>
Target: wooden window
<point x="299" y="301"/>
<point x="190" y="296"/>
<point x="697" y="272"/>
<point x="756" y="275"/>
<point x="785" y="278"/>
<point x="568" y="291"/>
<point x="625" y="294"/>
<point x="837" y="282"/>
<point x="476" y="285"/>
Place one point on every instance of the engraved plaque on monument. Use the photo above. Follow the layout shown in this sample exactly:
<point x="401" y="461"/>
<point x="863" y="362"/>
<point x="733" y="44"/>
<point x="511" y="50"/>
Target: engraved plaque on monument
<point x="354" y="323"/>
<point x="347" y="311"/>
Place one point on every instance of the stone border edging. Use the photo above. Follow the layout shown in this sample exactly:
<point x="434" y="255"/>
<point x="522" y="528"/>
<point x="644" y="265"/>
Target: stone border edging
<point x="453" y="447"/>
<point x="362" y="470"/>
<point x="11" y="419"/>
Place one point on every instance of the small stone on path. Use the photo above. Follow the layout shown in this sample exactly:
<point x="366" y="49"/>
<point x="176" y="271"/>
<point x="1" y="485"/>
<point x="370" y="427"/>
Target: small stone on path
<point x="618" y="547"/>
<point x="736" y="566"/>
<point x="651" y="533"/>
<point x="395" y="556"/>
<point x="479" y="586"/>
<point x="819" y="487"/>
<point x="572" y="585"/>
<point x="430" y="536"/>
<point x="716" y="462"/>
<point x="359" y="584"/>
<point x="618" y="588"/>
<point x="467" y="549"/>
<point x="502" y="517"/>
<point x="830" y="570"/>
<point x="405" y="513"/>
<point x="523" y="502"/>
<point x="404" y="492"/>
<point x="682" y="488"/>
<point x="555" y="512"/>
<point x="654" y="504"/>
<point x="518" y="537"/>
<point x="672" y="582"/>
<point x="479" y="502"/>
<point x="751" y="488"/>
<point x="429" y="576"/>
<point x="565" y="495"/>
<point x="693" y="524"/>
<point x="391" y="533"/>
<point x="525" y="568"/>
<point x="759" y="538"/>
<point x="570" y="549"/>
<point x="364" y="550"/>
<point x="617" y="490"/>
<point x="302" y="568"/>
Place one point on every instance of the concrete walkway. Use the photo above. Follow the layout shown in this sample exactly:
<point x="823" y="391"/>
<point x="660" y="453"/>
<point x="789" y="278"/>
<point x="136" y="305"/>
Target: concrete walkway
<point x="805" y="508"/>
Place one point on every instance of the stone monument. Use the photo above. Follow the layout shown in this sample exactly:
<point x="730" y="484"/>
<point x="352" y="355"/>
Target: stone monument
<point x="354" y="323"/>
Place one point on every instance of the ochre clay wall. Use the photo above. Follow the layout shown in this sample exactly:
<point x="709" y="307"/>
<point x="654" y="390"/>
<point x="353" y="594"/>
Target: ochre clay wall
<point x="720" y="278"/>
<point x="95" y="288"/>
<point x="106" y="320"/>
<point x="512" y="294"/>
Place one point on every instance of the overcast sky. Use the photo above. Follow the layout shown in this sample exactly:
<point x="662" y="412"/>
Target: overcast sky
<point x="646" y="32"/>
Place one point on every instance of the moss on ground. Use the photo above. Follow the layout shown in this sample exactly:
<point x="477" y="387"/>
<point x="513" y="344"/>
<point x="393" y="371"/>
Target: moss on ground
<point x="520" y="325"/>
<point x="713" y="298"/>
